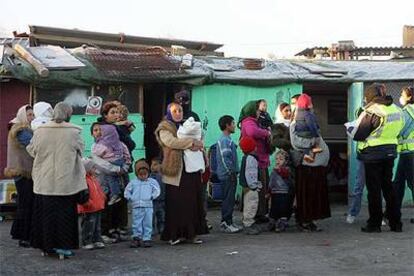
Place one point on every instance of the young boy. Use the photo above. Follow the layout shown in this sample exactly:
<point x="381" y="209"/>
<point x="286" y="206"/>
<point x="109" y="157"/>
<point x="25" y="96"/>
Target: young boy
<point x="141" y="192"/>
<point x="249" y="180"/>
<point x="159" y="202"/>
<point x="227" y="169"/>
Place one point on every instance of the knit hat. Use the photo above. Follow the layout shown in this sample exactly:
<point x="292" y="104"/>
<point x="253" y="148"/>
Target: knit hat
<point x="247" y="144"/>
<point x="182" y="96"/>
<point x="304" y="101"/>
<point x="141" y="164"/>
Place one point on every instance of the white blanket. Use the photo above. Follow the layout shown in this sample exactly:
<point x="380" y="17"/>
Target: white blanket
<point x="193" y="160"/>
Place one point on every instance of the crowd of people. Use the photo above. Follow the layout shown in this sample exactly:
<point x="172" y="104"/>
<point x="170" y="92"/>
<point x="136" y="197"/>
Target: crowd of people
<point x="57" y="185"/>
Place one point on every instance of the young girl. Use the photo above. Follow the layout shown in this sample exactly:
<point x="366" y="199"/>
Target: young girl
<point x="141" y="192"/>
<point x="280" y="188"/>
<point x="91" y="210"/>
<point x="307" y="127"/>
<point x="110" y="148"/>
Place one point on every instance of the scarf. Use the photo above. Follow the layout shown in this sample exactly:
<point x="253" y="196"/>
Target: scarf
<point x="248" y="110"/>
<point x="279" y="117"/>
<point x="21" y="116"/>
<point x="110" y="139"/>
<point x="169" y="116"/>
<point x="43" y="113"/>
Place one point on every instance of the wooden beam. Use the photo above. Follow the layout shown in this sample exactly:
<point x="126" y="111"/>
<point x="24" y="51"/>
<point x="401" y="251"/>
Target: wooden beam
<point x="141" y="99"/>
<point x="38" y="66"/>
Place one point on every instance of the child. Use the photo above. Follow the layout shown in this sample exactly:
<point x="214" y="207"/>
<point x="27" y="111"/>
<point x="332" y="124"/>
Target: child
<point x="226" y="171"/>
<point x="141" y="192"/>
<point x="159" y="202"/>
<point x="264" y="118"/>
<point x="279" y="188"/>
<point x="249" y="180"/>
<point x="126" y="127"/>
<point x="91" y="210"/>
<point x="307" y="127"/>
<point x="193" y="160"/>
<point x="109" y="147"/>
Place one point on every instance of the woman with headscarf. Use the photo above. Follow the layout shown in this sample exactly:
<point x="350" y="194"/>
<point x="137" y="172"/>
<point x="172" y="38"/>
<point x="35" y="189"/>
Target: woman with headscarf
<point x="283" y="114"/>
<point x="59" y="178"/>
<point x="248" y="122"/>
<point x="115" y="217"/>
<point x="43" y="114"/>
<point x="184" y="218"/>
<point x="19" y="167"/>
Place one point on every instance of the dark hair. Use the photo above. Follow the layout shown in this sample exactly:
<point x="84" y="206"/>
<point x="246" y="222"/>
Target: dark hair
<point x="224" y="121"/>
<point x="28" y="107"/>
<point x="156" y="159"/>
<point x="409" y="90"/>
<point x="295" y="96"/>
<point x="106" y="107"/>
<point x="93" y="124"/>
<point x="282" y="106"/>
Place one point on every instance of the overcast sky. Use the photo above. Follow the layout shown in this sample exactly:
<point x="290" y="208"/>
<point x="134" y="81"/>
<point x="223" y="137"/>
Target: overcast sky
<point x="247" y="28"/>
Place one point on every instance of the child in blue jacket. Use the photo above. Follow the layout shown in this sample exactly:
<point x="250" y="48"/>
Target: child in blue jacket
<point x="141" y="192"/>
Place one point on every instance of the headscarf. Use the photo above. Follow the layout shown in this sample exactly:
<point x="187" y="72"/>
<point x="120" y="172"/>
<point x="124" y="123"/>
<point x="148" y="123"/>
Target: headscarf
<point x="43" y="113"/>
<point x="169" y="116"/>
<point x="21" y="116"/>
<point x="248" y="110"/>
<point x="110" y="139"/>
<point x="279" y="116"/>
<point x="62" y="112"/>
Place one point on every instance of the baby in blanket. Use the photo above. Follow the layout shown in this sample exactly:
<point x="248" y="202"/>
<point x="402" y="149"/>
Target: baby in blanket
<point x="193" y="160"/>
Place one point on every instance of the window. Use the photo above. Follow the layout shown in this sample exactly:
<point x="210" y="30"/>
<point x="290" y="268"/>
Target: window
<point x="337" y="112"/>
<point x="76" y="97"/>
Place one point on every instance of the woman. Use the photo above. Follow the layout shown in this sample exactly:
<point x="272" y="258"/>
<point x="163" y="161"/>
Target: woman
<point x="248" y="121"/>
<point x="283" y="114"/>
<point x="59" y="178"/>
<point x="115" y="217"/>
<point x="311" y="186"/>
<point x="19" y="167"/>
<point x="405" y="168"/>
<point x="184" y="218"/>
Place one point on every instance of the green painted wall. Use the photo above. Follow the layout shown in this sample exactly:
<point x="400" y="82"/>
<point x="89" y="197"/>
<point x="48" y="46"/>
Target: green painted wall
<point x="211" y="102"/>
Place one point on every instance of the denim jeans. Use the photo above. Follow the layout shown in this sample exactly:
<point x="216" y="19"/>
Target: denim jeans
<point x="142" y="223"/>
<point x="159" y="216"/>
<point x="404" y="174"/>
<point x="112" y="182"/>
<point x="228" y="187"/>
<point x="91" y="228"/>
<point x="356" y="196"/>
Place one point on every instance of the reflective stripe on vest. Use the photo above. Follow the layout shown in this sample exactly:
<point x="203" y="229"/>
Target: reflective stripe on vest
<point x="407" y="143"/>
<point x="390" y="126"/>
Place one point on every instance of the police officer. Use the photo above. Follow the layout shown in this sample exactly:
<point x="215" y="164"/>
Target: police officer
<point x="379" y="126"/>
<point x="405" y="168"/>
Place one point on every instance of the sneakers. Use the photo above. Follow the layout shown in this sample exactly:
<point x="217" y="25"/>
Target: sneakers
<point x="108" y="240"/>
<point x="175" y="242"/>
<point x="350" y="219"/>
<point x="114" y="199"/>
<point x="251" y="230"/>
<point x="88" y="246"/>
<point x="225" y="228"/>
<point x="147" y="244"/>
<point x="99" y="245"/>
<point x="371" y="229"/>
<point x="281" y="225"/>
<point x="135" y="243"/>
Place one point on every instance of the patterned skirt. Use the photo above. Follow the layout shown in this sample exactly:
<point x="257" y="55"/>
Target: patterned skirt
<point x="55" y="222"/>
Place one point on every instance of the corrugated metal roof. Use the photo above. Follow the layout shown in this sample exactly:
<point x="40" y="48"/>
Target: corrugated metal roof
<point x="23" y="41"/>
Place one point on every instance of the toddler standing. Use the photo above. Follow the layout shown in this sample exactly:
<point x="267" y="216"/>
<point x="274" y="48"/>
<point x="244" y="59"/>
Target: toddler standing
<point x="141" y="192"/>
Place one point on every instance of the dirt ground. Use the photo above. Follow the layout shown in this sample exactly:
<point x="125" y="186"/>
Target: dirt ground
<point x="341" y="249"/>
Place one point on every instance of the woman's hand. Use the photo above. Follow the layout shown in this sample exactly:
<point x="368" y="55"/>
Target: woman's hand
<point x="197" y="145"/>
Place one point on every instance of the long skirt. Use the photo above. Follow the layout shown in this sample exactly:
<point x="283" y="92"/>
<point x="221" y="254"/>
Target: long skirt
<point x="21" y="227"/>
<point x="184" y="214"/>
<point x="311" y="194"/>
<point x="55" y="222"/>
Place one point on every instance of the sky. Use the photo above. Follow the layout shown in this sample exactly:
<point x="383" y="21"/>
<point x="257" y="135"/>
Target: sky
<point x="260" y="28"/>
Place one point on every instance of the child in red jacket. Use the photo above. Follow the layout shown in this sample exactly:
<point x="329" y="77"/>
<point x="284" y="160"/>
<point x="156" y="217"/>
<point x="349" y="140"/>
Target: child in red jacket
<point x="91" y="210"/>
